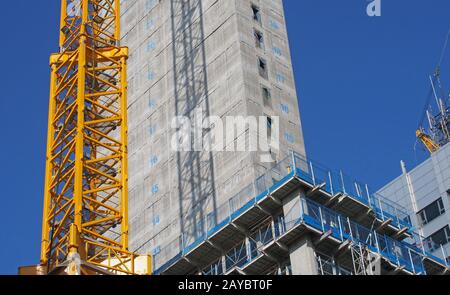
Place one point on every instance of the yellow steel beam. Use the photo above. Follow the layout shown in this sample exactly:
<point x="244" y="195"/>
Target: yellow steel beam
<point x="427" y="141"/>
<point x="62" y="36"/>
<point x="86" y="180"/>
<point x="101" y="55"/>
<point x="48" y="170"/>
<point x="124" y="132"/>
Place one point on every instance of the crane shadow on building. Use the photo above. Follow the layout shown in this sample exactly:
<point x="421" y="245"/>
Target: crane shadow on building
<point x="195" y="169"/>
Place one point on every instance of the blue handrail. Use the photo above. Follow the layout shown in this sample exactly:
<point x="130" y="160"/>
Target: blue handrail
<point x="292" y="166"/>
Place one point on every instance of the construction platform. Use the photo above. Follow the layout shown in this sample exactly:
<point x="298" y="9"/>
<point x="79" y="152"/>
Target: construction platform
<point x="299" y="199"/>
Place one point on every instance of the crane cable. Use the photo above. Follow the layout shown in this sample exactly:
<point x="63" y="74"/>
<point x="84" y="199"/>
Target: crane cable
<point x="444" y="49"/>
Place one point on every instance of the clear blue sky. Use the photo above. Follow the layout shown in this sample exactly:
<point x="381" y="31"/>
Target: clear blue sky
<point x="362" y="84"/>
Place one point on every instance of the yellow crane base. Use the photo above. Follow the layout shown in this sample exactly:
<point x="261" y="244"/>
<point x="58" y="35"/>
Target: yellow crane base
<point x="75" y="266"/>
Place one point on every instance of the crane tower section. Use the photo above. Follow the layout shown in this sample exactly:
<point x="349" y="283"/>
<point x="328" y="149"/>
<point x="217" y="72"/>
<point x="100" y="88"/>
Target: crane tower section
<point x="85" y="201"/>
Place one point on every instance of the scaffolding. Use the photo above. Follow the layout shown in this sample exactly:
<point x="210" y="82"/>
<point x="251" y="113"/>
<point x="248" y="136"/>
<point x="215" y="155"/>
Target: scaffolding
<point x="359" y="258"/>
<point x="327" y="266"/>
<point x="254" y="237"/>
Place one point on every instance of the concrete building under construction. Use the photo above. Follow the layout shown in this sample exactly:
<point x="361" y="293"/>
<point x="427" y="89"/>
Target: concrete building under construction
<point x="125" y="179"/>
<point x="229" y="212"/>
<point x="228" y="58"/>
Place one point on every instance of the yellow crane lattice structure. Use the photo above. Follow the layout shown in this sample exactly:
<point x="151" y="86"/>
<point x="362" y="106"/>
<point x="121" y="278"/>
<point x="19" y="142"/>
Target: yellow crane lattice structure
<point x="85" y="214"/>
<point x="427" y="141"/>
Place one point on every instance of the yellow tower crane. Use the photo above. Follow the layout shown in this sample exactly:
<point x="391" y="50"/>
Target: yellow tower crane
<point x="85" y="216"/>
<point x="427" y="141"/>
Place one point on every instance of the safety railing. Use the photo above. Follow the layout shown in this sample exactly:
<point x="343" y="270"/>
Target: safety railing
<point x="237" y="257"/>
<point x="338" y="182"/>
<point x="215" y="269"/>
<point x="246" y="251"/>
<point x="429" y="247"/>
<point x="328" y="267"/>
<point x="294" y="165"/>
<point x="305" y="211"/>
<point x="327" y="221"/>
<point x="397" y="252"/>
<point x="388" y="210"/>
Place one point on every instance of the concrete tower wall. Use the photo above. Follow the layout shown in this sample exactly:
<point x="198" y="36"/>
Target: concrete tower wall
<point x="188" y="54"/>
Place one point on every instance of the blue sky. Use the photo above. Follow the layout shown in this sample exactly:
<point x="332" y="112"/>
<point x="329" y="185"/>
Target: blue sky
<point x="362" y="84"/>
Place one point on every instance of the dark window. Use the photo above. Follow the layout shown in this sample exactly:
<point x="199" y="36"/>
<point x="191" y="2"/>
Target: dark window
<point x="269" y="123"/>
<point x="441" y="237"/>
<point x="431" y="212"/>
<point x="269" y="127"/>
<point x="259" y="39"/>
<point x="256" y="13"/>
<point x="262" y="65"/>
<point x="267" y="96"/>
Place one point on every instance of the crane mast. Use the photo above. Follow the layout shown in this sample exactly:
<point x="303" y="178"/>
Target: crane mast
<point x="85" y="215"/>
<point x="437" y="111"/>
<point x="437" y="114"/>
